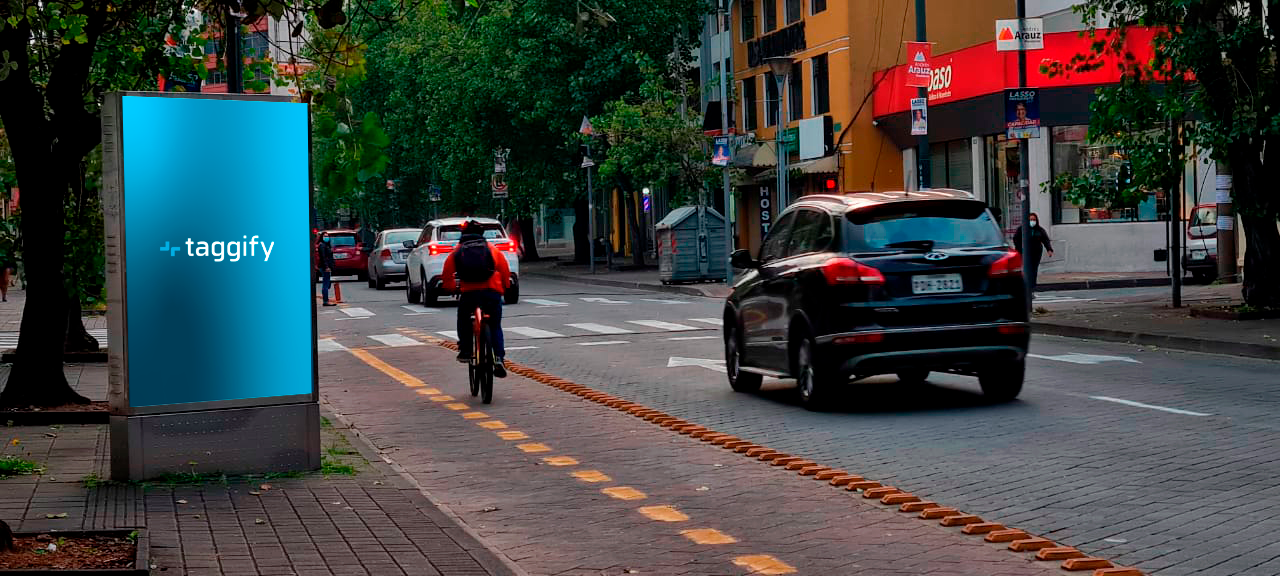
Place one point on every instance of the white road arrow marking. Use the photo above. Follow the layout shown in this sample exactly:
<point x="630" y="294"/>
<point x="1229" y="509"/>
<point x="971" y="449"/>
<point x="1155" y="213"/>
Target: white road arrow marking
<point x="603" y="301"/>
<point x="357" y="312"/>
<point x="396" y="340"/>
<point x="1085" y="358"/>
<point x="715" y="365"/>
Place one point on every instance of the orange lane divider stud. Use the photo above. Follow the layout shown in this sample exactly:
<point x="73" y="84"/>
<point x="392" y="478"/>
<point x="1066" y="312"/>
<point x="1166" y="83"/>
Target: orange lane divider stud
<point x="982" y="528"/>
<point x="1076" y="564"/>
<point x="961" y="520"/>
<point x="879" y="492"/>
<point x="1006" y="536"/>
<point x="899" y="498"/>
<point x="917" y="506"/>
<point x="1117" y="572"/>
<point x="337" y="292"/>
<point x="1060" y="553"/>
<point x="939" y="512"/>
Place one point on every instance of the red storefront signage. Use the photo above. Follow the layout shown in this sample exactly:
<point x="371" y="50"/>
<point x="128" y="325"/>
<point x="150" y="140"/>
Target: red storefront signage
<point x="918" y="75"/>
<point x="980" y="70"/>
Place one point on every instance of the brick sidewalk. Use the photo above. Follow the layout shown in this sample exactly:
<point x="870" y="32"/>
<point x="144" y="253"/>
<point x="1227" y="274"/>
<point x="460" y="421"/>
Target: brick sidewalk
<point x="564" y="486"/>
<point x="371" y="523"/>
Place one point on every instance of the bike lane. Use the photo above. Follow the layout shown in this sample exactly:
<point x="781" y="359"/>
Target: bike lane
<point x="560" y="484"/>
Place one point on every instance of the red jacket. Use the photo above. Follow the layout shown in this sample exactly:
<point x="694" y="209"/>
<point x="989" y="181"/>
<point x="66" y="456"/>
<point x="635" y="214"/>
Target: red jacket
<point x="499" y="282"/>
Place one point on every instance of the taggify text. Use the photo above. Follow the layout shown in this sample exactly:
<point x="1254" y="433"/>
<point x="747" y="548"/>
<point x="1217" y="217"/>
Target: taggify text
<point x="232" y="250"/>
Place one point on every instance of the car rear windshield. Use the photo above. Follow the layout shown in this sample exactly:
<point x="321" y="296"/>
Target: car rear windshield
<point x="491" y="231"/>
<point x="921" y="225"/>
<point x="1206" y="216"/>
<point x="342" y="240"/>
<point x="400" y="237"/>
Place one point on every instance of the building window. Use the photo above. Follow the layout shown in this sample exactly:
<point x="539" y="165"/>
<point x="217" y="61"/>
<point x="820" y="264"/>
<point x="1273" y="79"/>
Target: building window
<point x="793" y="11"/>
<point x="748" y="9"/>
<point x="770" y="99"/>
<point x="769" y="13"/>
<point x="821" y="85"/>
<point x="749" y="103"/>
<point x="795" y="92"/>
<point x="816" y="6"/>
<point x="1104" y="169"/>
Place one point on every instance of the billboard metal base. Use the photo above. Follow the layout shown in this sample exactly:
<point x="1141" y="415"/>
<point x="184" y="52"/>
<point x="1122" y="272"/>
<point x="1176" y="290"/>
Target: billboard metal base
<point x="252" y="440"/>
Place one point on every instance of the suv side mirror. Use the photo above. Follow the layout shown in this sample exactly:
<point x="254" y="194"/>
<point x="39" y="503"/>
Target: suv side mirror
<point x="742" y="259"/>
<point x="408" y="244"/>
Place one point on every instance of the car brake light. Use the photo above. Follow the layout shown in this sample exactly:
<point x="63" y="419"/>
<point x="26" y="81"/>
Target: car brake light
<point x="864" y="338"/>
<point x="386" y="253"/>
<point x="1012" y="329"/>
<point x="1008" y="265"/>
<point x="849" y="271"/>
<point x="438" y="249"/>
<point x="505" y="246"/>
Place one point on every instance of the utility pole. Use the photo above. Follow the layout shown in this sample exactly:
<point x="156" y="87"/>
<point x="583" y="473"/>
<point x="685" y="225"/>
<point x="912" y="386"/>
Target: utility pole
<point x="1226" y="225"/>
<point x="1024" y="170"/>
<point x="1175" y="212"/>
<point x="235" y="56"/>
<point x="591" y="212"/>
<point x="725" y="45"/>
<point x="923" y="165"/>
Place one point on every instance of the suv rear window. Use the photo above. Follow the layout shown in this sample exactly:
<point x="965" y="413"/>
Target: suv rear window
<point x="1205" y="216"/>
<point x="946" y="224"/>
<point x="342" y="239"/>
<point x="401" y="236"/>
<point x="491" y="231"/>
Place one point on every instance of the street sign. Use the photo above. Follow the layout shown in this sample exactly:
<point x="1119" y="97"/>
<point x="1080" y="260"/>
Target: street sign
<point x="499" y="187"/>
<point x="586" y="128"/>
<point x="1015" y="35"/>
<point x="500" y="160"/>
<point x="720" y="156"/>
<point x="919" y="116"/>
<point x="1022" y="113"/>
<point x="434" y="193"/>
<point x="587" y="162"/>
<point x="919" y="72"/>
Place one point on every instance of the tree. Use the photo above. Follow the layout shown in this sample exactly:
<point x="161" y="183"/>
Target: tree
<point x="1214" y="64"/>
<point x="57" y="59"/>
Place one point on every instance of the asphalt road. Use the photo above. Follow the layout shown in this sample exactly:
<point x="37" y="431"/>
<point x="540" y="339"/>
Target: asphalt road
<point x="1163" y="460"/>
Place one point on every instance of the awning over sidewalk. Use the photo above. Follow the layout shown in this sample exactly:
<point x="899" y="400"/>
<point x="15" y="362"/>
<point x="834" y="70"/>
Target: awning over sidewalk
<point x="824" y="165"/>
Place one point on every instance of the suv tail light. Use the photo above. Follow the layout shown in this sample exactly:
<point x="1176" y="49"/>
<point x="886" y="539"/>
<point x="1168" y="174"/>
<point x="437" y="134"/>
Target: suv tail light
<point x="849" y="271"/>
<point x="438" y="249"/>
<point x="1008" y="265"/>
<point x="385" y="254"/>
<point x="505" y="246"/>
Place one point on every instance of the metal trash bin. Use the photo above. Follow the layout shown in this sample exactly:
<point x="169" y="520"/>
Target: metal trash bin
<point x="690" y="242"/>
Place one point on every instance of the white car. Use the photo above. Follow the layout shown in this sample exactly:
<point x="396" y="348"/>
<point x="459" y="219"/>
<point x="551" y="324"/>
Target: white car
<point x="435" y="243"/>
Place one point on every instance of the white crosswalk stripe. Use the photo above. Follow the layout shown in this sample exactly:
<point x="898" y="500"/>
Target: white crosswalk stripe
<point x="396" y="340"/>
<point x="329" y="345"/>
<point x="357" y="312"/>
<point x="450" y="334"/>
<point x="664" y="301"/>
<point x="10" y="339"/>
<point x="546" y="303"/>
<point x="711" y="321"/>
<point x="603" y="343"/>
<point x="418" y="310"/>
<point x="660" y="325"/>
<point x="600" y="328"/>
<point x="603" y="301"/>
<point x="534" y="332"/>
<point x="679" y="338"/>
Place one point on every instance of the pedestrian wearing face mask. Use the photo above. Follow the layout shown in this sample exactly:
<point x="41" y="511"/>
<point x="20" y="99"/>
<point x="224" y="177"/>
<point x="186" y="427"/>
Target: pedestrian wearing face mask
<point x="325" y="254"/>
<point x="1039" y="244"/>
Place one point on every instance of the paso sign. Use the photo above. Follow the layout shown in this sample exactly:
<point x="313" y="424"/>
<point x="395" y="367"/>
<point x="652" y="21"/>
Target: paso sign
<point x="1015" y="35"/>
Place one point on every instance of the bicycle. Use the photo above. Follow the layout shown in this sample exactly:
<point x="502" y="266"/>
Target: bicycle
<point x="480" y="367"/>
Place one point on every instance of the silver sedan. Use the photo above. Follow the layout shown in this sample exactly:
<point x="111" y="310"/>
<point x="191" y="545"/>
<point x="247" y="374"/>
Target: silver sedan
<point x="387" y="260"/>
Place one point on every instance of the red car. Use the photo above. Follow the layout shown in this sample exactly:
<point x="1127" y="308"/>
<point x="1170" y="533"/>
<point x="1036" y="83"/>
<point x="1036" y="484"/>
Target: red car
<point x="349" y="256"/>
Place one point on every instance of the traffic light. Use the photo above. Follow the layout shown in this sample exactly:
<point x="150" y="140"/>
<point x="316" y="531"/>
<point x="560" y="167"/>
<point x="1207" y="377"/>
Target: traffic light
<point x="830" y="185"/>
<point x="1125" y="178"/>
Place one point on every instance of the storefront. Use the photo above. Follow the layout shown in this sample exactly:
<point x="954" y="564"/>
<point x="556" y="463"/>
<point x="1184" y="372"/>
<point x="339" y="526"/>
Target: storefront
<point x="969" y="151"/>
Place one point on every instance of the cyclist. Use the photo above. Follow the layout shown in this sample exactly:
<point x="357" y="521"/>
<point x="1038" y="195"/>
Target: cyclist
<point x="484" y="277"/>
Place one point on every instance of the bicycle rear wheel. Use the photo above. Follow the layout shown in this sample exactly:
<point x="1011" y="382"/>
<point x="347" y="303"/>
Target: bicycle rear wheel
<point x="486" y="366"/>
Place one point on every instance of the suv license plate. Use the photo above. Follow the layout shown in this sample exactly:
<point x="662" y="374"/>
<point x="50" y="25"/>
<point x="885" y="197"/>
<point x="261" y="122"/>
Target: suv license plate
<point x="936" y="284"/>
<point x="340" y="256"/>
<point x="1199" y="254"/>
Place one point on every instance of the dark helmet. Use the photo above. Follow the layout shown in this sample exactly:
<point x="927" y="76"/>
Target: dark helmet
<point x="471" y="227"/>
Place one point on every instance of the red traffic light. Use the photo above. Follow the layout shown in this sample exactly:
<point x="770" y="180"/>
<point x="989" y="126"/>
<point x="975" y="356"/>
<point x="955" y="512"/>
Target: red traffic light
<point x="831" y="183"/>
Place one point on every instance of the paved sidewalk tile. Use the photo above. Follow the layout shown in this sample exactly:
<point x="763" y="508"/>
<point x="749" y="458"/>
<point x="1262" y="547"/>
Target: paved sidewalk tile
<point x="613" y="493"/>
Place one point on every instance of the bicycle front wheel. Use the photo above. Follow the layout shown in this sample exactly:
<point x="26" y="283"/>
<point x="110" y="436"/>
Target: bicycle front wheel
<point x="486" y="366"/>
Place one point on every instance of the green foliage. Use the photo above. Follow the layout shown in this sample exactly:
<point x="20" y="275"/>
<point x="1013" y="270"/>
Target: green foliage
<point x="329" y="466"/>
<point x="14" y="466"/>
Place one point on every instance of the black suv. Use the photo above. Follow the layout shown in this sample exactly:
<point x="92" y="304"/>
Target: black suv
<point x="879" y="283"/>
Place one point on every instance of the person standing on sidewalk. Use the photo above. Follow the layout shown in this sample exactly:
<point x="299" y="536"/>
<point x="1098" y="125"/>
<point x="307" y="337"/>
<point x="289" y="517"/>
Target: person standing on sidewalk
<point x="325" y="251"/>
<point x="1039" y="243"/>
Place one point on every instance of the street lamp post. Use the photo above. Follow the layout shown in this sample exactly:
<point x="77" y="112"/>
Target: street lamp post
<point x="724" y="131"/>
<point x="781" y="68"/>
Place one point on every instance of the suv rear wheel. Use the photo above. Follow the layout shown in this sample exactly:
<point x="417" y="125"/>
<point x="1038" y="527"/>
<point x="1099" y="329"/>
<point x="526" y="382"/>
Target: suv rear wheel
<point x="740" y="381"/>
<point x="1003" y="383"/>
<point x="813" y="383"/>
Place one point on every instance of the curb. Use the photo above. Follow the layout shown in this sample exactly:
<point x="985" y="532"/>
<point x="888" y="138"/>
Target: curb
<point x="1101" y="284"/>
<point x="450" y="523"/>
<point x="673" y="288"/>
<point x="1247" y="350"/>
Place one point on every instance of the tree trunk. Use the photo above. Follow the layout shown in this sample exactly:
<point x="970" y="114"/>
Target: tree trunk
<point x="581" y="232"/>
<point x="1261" y="258"/>
<point x="78" y="339"/>
<point x="528" y="241"/>
<point x="637" y="238"/>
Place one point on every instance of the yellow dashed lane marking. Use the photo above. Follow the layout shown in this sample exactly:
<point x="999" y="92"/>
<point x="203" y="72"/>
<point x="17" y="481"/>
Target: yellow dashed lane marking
<point x="427" y="391"/>
<point x="623" y="493"/>
<point x="664" y="513"/>
<point x="475" y="415"/>
<point x="708" y="536"/>
<point x="533" y="447"/>
<point x="560" y="461"/>
<point x="442" y="398"/>
<point x="456" y="406"/>
<point x="764" y="564"/>
<point x="493" y="424"/>
<point x="400" y="375"/>
<point x="512" y="435"/>
<point x="592" y="476"/>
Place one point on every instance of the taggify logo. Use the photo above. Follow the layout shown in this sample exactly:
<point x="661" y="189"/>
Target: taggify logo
<point x="219" y="250"/>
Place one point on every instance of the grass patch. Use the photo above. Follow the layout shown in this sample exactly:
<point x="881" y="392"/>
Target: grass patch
<point x="329" y="466"/>
<point x="92" y="481"/>
<point x="325" y="423"/>
<point x="14" y="466"/>
<point x="279" y="475"/>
